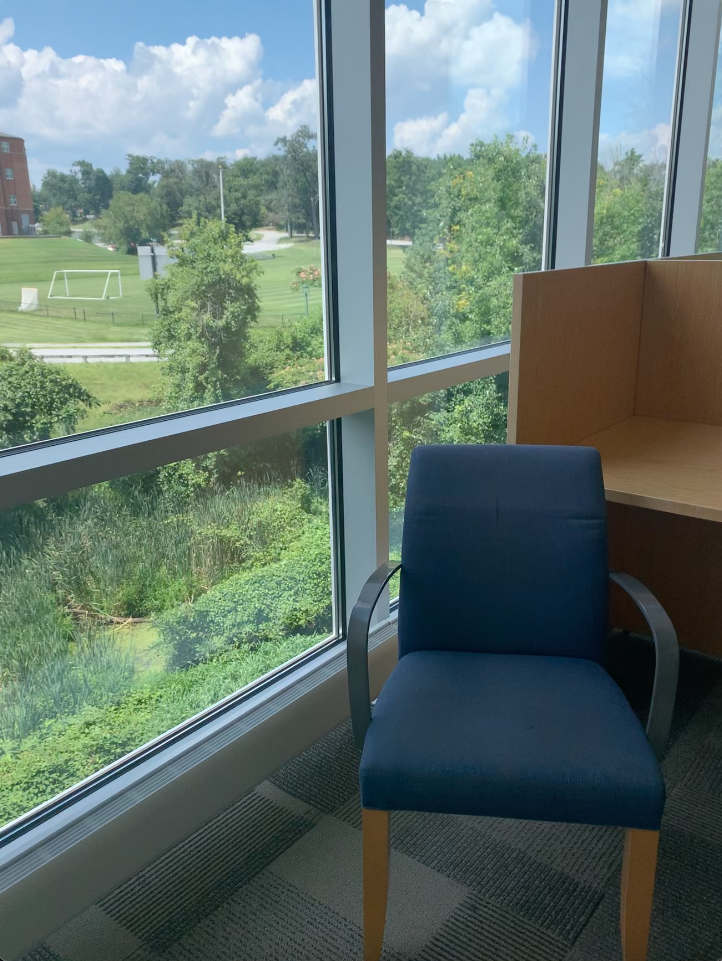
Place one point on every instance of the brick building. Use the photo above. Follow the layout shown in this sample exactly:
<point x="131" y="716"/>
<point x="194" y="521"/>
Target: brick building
<point x="16" y="202"/>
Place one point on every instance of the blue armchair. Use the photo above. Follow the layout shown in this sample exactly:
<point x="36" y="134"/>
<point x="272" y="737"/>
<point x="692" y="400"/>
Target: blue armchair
<point x="500" y="704"/>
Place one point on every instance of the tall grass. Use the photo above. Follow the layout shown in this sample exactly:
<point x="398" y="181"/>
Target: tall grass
<point x="72" y="567"/>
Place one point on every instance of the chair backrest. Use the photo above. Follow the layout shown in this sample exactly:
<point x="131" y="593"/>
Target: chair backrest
<point x="504" y="551"/>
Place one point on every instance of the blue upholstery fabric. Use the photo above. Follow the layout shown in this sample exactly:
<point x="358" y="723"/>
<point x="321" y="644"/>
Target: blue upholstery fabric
<point x="517" y="736"/>
<point x="504" y="550"/>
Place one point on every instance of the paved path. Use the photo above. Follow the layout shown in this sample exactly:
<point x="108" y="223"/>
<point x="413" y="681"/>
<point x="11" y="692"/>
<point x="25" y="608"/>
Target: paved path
<point x="270" y="242"/>
<point x="97" y="354"/>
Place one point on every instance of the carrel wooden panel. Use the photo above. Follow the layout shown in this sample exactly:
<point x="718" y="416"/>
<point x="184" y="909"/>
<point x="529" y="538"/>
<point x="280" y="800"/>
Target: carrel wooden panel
<point x="575" y="338"/>
<point x="680" y="356"/>
<point x="680" y="560"/>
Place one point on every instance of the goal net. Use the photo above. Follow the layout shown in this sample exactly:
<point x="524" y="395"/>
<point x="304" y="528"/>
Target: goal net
<point x="85" y="285"/>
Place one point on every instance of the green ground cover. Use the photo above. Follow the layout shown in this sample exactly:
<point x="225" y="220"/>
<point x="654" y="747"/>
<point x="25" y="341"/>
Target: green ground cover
<point x="127" y="607"/>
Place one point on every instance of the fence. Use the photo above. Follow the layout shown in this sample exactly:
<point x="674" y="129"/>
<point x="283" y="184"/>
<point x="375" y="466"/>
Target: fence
<point x="122" y="317"/>
<point x="81" y="313"/>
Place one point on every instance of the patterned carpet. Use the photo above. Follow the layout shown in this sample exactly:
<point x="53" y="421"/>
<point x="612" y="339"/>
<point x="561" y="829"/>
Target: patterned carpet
<point x="277" y="877"/>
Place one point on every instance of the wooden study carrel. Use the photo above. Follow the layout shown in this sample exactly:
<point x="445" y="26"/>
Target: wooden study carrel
<point x="627" y="358"/>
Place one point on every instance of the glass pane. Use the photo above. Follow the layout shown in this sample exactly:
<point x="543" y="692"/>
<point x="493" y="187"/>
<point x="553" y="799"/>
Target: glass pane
<point x="130" y="606"/>
<point x="468" y="116"/>
<point x="473" y="413"/>
<point x="640" y="60"/>
<point x="181" y="142"/>
<point x="710" y="228"/>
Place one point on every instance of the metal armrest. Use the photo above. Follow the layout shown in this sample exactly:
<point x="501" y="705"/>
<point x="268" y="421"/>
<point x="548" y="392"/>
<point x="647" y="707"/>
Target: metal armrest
<point x="357" y="649"/>
<point x="667" y="666"/>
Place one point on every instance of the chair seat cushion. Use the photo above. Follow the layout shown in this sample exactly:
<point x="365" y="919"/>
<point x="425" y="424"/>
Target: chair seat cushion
<point x="509" y="735"/>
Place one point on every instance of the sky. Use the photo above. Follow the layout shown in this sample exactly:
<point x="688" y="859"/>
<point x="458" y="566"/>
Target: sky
<point x="175" y="78"/>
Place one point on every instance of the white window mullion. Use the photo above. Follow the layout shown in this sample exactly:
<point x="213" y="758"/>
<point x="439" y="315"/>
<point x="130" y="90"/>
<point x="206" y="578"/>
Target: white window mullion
<point x="358" y="94"/>
<point x="696" y="71"/>
<point x="574" y="139"/>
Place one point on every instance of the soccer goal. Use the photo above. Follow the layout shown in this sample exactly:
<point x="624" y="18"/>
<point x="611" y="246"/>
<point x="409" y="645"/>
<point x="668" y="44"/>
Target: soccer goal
<point x="86" y="285"/>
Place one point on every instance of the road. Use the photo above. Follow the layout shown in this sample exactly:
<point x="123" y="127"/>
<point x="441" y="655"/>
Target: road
<point x="122" y="353"/>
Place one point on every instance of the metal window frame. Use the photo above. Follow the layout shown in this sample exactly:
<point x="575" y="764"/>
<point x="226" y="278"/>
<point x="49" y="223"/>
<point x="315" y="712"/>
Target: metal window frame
<point x="354" y="402"/>
<point x="691" y="119"/>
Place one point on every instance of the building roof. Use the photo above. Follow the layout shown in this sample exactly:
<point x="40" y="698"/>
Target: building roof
<point x="11" y="136"/>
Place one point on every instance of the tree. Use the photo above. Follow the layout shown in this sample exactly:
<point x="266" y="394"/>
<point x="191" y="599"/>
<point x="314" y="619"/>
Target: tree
<point x="628" y="209"/>
<point x="37" y="400"/>
<point x="96" y="188"/>
<point x="410" y="185"/>
<point x="710" y="228"/>
<point x="203" y="195"/>
<point x="56" y="221"/>
<point x="298" y="180"/>
<point x="487" y="225"/>
<point x="172" y="186"/>
<point x="206" y="304"/>
<point x="132" y="218"/>
<point x="59" y="189"/>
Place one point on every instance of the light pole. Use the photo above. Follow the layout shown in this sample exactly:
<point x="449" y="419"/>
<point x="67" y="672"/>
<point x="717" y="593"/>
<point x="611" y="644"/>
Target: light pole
<point x="223" y="204"/>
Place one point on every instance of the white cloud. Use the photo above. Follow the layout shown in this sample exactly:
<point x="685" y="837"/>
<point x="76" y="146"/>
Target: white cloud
<point x="466" y="42"/>
<point x="243" y="107"/>
<point x="633" y="36"/>
<point x="652" y="143"/>
<point x="296" y="106"/>
<point x="454" y="49"/>
<point x="166" y="100"/>
<point x="483" y="116"/>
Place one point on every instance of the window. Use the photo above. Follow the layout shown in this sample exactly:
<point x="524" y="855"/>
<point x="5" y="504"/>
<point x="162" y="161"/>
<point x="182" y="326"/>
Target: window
<point x="234" y="205"/>
<point x="9" y="173"/>
<point x="467" y="127"/>
<point x="174" y="523"/>
<point x="128" y="607"/>
<point x="710" y="228"/>
<point x="634" y="134"/>
<point x="5" y="146"/>
<point x="13" y="200"/>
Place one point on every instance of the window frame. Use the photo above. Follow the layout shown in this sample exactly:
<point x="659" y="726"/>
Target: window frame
<point x="354" y="402"/>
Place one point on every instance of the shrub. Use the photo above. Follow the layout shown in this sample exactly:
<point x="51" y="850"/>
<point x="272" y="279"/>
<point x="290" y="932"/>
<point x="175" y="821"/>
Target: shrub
<point x="290" y="596"/>
<point x="55" y="221"/>
<point x="37" y="399"/>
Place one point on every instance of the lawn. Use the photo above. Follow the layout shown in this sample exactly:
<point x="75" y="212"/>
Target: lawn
<point x="31" y="263"/>
<point x="126" y="392"/>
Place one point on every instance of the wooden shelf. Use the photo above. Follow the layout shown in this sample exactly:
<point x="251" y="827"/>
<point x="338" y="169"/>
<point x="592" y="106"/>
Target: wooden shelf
<point x="663" y="465"/>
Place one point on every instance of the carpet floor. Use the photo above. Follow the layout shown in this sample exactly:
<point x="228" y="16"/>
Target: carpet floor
<point x="277" y="877"/>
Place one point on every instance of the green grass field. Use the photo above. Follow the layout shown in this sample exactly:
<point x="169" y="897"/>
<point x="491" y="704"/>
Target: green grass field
<point x="126" y="392"/>
<point x="31" y="263"/>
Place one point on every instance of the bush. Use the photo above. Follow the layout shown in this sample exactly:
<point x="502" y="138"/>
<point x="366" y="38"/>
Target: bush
<point x="67" y="750"/>
<point x="55" y="221"/>
<point x="37" y="400"/>
<point x="291" y="596"/>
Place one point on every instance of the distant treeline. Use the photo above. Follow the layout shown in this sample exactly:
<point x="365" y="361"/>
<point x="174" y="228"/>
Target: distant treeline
<point x="281" y="188"/>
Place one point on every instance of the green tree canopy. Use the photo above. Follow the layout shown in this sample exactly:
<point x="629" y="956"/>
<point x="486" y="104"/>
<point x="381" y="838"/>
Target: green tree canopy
<point x="298" y="179"/>
<point x="37" y="399"/>
<point x="206" y="304"/>
<point x="132" y="218"/>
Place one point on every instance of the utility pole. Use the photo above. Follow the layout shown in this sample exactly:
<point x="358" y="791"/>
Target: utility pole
<point x="223" y="204"/>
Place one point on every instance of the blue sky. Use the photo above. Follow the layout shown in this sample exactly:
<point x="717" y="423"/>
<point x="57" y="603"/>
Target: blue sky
<point x="178" y="78"/>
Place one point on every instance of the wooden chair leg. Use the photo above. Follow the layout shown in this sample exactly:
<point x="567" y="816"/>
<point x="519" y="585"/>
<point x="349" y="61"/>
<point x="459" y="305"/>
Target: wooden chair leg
<point x="375" y="825"/>
<point x="638" y="871"/>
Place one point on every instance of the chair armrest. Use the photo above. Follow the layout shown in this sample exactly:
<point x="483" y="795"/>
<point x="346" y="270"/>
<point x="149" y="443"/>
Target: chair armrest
<point x="666" y="670"/>
<point x="357" y="646"/>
